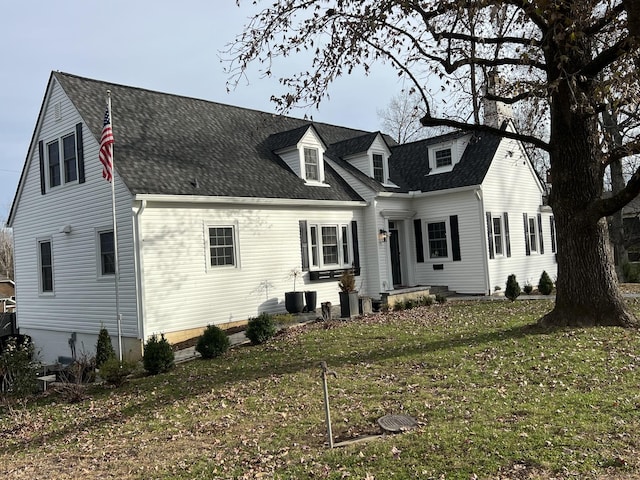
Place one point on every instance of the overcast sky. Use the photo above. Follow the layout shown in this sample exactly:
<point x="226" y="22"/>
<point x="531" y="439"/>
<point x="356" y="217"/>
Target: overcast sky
<point x="164" y="45"/>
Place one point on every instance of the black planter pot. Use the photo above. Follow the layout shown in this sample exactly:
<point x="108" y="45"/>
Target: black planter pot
<point x="349" y="304"/>
<point x="294" y="302"/>
<point x="310" y="298"/>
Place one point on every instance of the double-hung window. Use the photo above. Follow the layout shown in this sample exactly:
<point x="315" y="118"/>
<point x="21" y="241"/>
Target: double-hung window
<point x="62" y="158"/>
<point x="533" y="237"/>
<point x="107" y="253"/>
<point x="311" y="164"/>
<point x="222" y="246"/>
<point x="497" y="236"/>
<point x="330" y="246"/>
<point x="45" y="261"/>
<point x="437" y="239"/>
<point x="378" y="167"/>
<point x="443" y="158"/>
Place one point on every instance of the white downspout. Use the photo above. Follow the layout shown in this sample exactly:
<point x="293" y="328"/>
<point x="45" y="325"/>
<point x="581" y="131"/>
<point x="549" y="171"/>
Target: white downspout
<point x="485" y="246"/>
<point x="139" y="268"/>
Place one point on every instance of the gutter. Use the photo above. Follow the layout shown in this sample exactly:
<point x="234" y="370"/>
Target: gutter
<point x="485" y="245"/>
<point x="139" y="266"/>
<point x="421" y="194"/>
<point x="286" y="202"/>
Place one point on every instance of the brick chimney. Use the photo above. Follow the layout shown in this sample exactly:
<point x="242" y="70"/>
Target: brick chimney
<point x="495" y="113"/>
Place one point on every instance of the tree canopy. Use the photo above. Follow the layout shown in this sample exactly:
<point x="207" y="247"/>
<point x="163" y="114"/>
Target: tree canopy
<point x="568" y="59"/>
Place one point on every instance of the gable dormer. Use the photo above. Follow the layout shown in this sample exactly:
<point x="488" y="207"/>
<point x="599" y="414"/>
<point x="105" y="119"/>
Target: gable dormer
<point x="303" y="151"/>
<point x="443" y="156"/>
<point x="368" y="153"/>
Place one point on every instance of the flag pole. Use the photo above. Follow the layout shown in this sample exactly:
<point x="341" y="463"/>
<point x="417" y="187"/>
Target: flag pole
<point x="115" y="235"/>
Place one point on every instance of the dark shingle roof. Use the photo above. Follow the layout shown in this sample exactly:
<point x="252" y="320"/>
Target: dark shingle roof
<point x="165" y="142"/>
<point x="409" y="163"/>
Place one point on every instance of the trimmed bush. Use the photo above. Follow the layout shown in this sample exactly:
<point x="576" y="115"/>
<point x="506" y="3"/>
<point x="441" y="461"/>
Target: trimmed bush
<point x="528" y="288"/>
<point x="260" y="328"/>
<point x="545" y="285"/>
<point x="104" y="348"/>
<point x="158" y="355"/>
<point x="513" y="288"/>
<point x="213" y="342"/>
<point x="114" y="372"/>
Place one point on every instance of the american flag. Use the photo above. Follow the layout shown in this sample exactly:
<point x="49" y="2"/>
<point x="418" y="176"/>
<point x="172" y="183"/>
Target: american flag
<point x="106" y="153"/>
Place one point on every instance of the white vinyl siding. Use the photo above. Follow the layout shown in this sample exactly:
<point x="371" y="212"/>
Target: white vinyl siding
<point x="511" y="186"/>
<point x="268" y="248"/>
<point x="82" y="301"/>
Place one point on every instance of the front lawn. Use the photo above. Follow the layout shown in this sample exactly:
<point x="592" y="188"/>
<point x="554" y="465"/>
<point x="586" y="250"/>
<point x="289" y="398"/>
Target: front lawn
<point x="493" y="398"/>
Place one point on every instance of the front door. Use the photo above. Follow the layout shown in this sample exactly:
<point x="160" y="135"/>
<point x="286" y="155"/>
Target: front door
<point x="394" y="246"/>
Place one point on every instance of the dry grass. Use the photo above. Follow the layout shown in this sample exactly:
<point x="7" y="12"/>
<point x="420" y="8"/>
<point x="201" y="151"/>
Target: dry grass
<point x="494" y="399"/>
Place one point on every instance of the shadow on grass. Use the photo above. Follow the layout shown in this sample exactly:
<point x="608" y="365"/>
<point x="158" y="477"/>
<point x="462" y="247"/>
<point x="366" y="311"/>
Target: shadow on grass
<point x="180" y="384"/>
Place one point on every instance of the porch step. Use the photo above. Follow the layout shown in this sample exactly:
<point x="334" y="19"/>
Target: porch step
<point x="441" y="290"/>
<point x="401" y="295"/>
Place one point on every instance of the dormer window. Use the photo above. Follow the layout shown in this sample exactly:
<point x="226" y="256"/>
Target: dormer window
<point x="443" y="158"/>
<point x="311" y="165"/>
<point x="378" y="167"/>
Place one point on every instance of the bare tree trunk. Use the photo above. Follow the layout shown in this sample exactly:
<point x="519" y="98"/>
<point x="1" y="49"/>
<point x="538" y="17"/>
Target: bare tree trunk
<point x="587" y="291"/>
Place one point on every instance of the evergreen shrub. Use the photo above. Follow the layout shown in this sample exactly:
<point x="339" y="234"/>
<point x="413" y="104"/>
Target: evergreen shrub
<point x="545" y="285"/>
<point x="104" y="348"/>
<point x="213" y="342"/>
<point x="158" y="355"/>
<point x="261" y="328"/>
<point x="513" y="288"/>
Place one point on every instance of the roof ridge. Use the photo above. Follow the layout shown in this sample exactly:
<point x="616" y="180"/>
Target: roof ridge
<point x="188" y="97"/>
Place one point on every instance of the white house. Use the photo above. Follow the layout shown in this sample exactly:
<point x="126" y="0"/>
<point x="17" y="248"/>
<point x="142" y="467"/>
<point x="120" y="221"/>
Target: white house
<point x="216" y="205"/>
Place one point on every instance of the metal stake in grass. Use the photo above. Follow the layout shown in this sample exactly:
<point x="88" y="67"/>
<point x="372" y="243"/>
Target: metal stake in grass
<point x="325" y="372"/>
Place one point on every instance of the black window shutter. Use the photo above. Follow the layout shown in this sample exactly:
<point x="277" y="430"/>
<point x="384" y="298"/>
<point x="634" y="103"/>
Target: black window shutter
<point x="304" y="245"/>
<point x="80" y="152"/>
<point x="356" y="248"/>
<point x="43" y="178"/>
<point x="526" y="234"/>
<point x="455" y="238"/>
<point x="540" y="233"/>
<point x="490" y="235"/>
<point x="417" y="229"/>
<point x="507" y="239"/>
<point x="552" y="229"/>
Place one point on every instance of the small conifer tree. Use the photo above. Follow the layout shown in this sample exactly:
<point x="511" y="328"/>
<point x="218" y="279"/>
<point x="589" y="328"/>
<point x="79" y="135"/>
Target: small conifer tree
<point x="513" y="288"/>
<point x="545" y="285"/>
<point x="104" y="348"/>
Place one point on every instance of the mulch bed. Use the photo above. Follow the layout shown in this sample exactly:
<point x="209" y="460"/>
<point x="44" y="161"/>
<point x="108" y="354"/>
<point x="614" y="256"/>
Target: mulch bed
<point x="191" y="342"/>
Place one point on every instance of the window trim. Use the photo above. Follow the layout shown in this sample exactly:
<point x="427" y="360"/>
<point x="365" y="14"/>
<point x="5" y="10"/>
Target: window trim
<point x="41" y="291"/>
<point x="533" y="234"/>
<point x="317" y="164"/>
<point x="498" y="237"/>
<point x="433" y="151"/>
<point x="236" y="246"/>
<point x="436" y="159"/>
<point x="61" y="166"/>
<point x="314" y="233"/>
<point x="382" y="169"/>
<point x="447" y="231"/>
<point x="99" y="272"/>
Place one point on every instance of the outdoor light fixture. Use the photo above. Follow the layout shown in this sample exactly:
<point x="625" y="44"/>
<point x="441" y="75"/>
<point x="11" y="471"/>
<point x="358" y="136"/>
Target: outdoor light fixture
<point x="382" y="235"/>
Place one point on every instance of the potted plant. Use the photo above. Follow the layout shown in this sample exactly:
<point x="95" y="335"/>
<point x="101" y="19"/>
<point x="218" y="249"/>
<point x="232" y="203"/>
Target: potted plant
<point x="294" y="301"/>
<point x="348" y="295"/>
